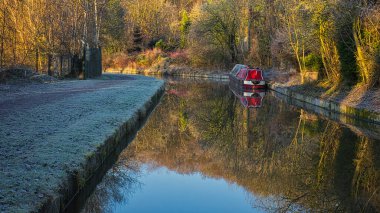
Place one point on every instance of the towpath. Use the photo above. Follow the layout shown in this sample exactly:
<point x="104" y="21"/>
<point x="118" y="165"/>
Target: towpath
<point x="47" y="131"/>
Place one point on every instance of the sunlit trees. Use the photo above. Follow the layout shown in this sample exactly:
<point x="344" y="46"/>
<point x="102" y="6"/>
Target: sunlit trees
<point x="337" y="38"/>
<point x="262" y="23"/>
<point x="34" y="30"/>
<point x="114" y="28"/>
<point x="326" y="28"/>
<point x="367" y="39"/>
<point x="299" y="32"/>
<point x="153" y="18"/>
<point x="215" y="31"/>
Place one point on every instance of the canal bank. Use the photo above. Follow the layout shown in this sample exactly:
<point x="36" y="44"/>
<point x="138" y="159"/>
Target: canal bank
<point x="331" y="108"/>
<point x="174" y="71"/>
<point x="347" y="112"/>
<point x="54" y="137"/>
<point x="342" y="112"/>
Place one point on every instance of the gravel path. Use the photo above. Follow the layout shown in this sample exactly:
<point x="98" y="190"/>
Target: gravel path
<point x="48" y="130"/>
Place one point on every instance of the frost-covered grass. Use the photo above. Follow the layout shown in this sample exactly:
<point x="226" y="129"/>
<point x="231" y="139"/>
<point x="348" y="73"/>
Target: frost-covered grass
<point x="47" y="130"/>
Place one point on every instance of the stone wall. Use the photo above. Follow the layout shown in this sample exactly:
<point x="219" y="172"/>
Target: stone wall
<point x="332" y="106"/>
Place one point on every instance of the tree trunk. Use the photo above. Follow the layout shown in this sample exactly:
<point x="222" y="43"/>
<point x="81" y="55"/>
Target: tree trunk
<point x="15" y="35"/>
<point x="14" y="45"/>
<point x="60" y="65"/>
<point x="49" y="65"/>
<point x="295" y="43"/>
<point x="2" y="41"/>
<point x="250" y="21"/>
<point x="37" y="59"/>
<point x="96" y="23"/>
<point x="233" y="48"/>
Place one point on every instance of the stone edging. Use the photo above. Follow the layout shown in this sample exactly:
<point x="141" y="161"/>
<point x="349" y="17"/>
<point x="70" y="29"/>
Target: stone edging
<point x="75" y="182"/>
<point x="333" y="106"/>
<point x="186" y="75"/>
<point x="205" y="76"/>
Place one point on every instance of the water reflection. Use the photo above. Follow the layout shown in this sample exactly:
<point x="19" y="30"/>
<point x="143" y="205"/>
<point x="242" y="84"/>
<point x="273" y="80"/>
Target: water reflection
<point x="252" y="98"/>
<point x="117" y="186"/>
<point x="286" y="158"/>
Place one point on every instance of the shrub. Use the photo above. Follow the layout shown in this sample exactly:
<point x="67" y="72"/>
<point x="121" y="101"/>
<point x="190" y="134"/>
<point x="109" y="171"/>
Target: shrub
<point x="121" y="60"/>
<point x="117" y="60"/>
<point x="147" y="58"/>
<point x="160" y="44"/>
<point x="313" y="63"/>
<point x="179" y="57"/>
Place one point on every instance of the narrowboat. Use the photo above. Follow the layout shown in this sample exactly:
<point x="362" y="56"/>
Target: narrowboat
<point x="246" y="77"/>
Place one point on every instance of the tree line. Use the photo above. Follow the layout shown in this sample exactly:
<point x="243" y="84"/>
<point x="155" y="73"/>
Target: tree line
<point x="33" y="31"/>
<point x="339" y="39"/>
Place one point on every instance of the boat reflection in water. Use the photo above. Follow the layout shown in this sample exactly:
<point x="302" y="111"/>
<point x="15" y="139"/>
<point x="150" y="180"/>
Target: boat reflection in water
<point x="249" y="98"/>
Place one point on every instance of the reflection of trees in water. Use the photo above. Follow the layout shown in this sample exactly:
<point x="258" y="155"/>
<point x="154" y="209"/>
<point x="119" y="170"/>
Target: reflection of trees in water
<point x="366" y="178"/>
<point x="117" y="186"/>
<point x="318" y="169"/>
<point x="289" y="159"/>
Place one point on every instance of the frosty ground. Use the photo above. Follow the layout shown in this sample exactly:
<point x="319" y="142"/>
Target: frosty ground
<point x="47" y="131"/>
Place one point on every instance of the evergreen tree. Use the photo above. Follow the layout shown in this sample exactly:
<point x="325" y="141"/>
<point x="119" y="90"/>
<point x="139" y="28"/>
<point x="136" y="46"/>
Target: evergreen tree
<point x="184" y="28"/>
<point x="137" y="39"/>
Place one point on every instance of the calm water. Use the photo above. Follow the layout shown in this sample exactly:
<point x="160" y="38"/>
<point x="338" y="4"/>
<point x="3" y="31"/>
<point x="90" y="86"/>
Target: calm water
<point x="204" y="150"/>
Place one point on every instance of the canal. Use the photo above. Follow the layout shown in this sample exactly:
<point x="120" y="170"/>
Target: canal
<point x="204" y="150"/>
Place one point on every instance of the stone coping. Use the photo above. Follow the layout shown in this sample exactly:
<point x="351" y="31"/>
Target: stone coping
<point x="333" y="106"/>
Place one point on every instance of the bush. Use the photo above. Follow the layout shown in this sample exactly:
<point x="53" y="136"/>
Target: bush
<point x="121" y="60"/>
<point x="117" y="60"/>
<point x="149" y="57"/>
<point x="160" y="44"/>
<point x="313" y="63"/>
<point x="179" y="57"/>
<point x="207" y="56"/>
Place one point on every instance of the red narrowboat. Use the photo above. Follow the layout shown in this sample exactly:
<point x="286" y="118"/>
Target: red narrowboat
<point x="247" y="78"/>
